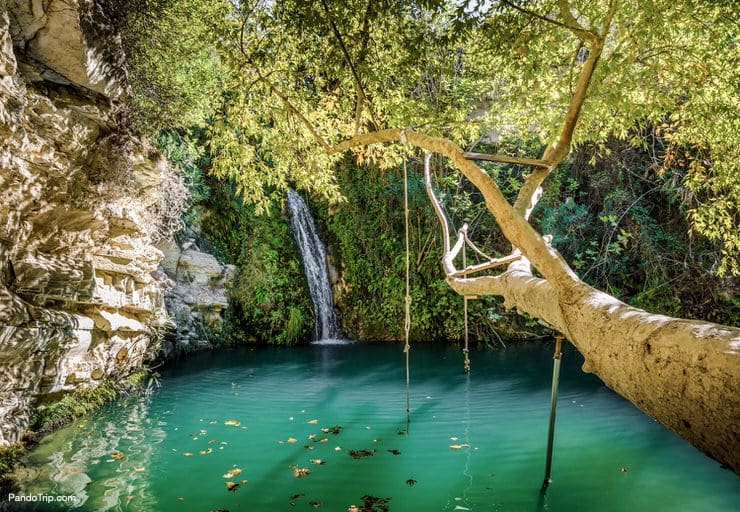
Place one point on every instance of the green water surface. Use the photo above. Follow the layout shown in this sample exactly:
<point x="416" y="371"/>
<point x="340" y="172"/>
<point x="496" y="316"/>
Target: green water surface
<point x="474" y="442"/>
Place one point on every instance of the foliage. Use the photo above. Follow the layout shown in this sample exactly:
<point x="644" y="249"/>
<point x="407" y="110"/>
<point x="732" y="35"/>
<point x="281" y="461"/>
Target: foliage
<point x="174" y="73"/>
<point x="313" y="73"/>
<point x="79" y="403"/>
<point x="366" y="233"/>
<point x="10" y="456"/>
<point x="270" y="302"/>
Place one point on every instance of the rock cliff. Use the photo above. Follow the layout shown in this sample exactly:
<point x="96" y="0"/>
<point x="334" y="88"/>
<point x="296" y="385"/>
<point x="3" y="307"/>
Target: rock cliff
<point x="80" y="213"/>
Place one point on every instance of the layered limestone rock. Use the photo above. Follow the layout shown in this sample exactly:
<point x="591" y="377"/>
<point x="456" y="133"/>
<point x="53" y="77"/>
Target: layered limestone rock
<point x="78" y="302"/>
<point x="196" y="295"/>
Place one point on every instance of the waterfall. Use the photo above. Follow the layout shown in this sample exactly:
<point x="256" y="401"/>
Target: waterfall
<point x="313" y="255"/>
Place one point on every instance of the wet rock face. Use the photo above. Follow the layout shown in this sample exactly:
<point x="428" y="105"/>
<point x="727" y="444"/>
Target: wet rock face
<point x="78" y="301"/>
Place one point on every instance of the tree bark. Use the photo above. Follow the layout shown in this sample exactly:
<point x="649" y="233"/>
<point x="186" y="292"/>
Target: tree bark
<point x="683" y="373"/>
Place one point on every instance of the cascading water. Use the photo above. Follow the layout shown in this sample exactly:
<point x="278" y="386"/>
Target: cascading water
<point x="314" y="264"/>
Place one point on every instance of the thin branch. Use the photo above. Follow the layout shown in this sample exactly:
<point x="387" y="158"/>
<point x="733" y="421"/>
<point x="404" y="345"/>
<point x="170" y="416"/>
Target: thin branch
<point x="362" y="98"/>
<point x="486" y="265"/>
<point x="504" y="159"/>
<point x="535" y="15"/>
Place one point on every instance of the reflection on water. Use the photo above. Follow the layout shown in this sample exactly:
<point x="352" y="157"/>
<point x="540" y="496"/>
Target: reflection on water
<point x="324" y="426"/>
<point x="101" y="462"/>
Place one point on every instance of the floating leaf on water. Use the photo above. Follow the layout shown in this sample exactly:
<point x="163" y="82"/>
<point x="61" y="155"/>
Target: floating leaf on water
<point x="245" y="481"/>
<point x="336" y="429"/>
<point x="337" y="448"/>
<point x="118" y="455"/>
<point x="623" y="469"/>
<point x="458" y="446"/>
<point x="376" y="440"/>
<point x="214" y="422"/>
<point x="140" y="469"/>
<point x="301" y="472"/>
<point x="358" y="454"/>
<point x="410" y="482"/>
<point x="454" y="438"/>
<point x="202" y="432"/>
<point x="315" y="504"/>
<point x="313" y="421"/>
<point x="232" y="423"/>
<point x="232" y="486"/>
<point x="308" y="446"/>
<point x="353" y="508"/>
<point x="318" y="462"/>
<point x="394" y="451"/>
<point x="187" y="454"/>
<point x="292" y="440"/>
<point x="296" y="496"/>
<point x="232" y="473"/>
<point x="202" y="452"/>
<point x="323" y="439"/>
<point x="312" y="436"/>
<point x="180" y="498"/>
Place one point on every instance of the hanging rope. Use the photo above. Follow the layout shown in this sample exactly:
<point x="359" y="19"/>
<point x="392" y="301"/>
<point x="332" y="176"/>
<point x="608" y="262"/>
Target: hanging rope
<point x="407" y="300"/>
<point x="466" y="351"/>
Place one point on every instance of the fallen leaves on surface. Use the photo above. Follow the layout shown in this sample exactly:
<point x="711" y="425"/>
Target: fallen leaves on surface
<point x="292" y="440"/>
<point x="187" y="454"/>
<point x="232" y="486"/>
<point x="410" y="482"/>
<point x="318" y="462"/>
<point x="336" y="429"/>
<point x="118" y="455"/>
<point x="301" y="472"/>
<point x="232" y="423"/>
<point x="315" y="504"/>
<point x="370" y="502"/>
<point x="358" y="454"/>
<point x="232" y="473"/>
<point x="313" y="422"/>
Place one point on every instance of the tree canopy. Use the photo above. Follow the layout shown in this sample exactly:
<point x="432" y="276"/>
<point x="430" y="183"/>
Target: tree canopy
<point x="298" y="76"/>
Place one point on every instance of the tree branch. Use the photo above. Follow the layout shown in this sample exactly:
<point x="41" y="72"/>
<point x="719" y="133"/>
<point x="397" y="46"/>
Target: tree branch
<point x="554" y="154"/>
<point x="572" y="24"/>
<point x="535" y="15"/>
<point x="504" y="159"/>
<point x="513" y="225"/>
<point x="362" y="98"/>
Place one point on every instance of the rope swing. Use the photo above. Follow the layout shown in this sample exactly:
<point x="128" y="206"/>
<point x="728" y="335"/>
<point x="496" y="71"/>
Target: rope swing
<point x="407" y="300"/>
<point x="466" y="351"/>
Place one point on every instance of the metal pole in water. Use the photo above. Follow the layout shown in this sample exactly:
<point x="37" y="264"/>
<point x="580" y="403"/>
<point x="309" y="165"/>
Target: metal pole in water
<point x="553" y="406"/>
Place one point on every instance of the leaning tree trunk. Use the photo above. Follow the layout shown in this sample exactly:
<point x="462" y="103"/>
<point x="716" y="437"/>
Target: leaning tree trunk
<point x="683" y="373"/>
